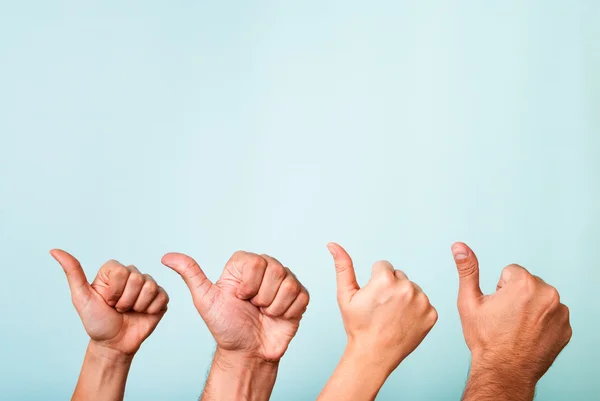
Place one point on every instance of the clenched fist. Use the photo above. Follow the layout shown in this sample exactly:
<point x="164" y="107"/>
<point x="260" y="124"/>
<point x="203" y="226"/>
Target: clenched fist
<point x="514" y="333"/>
<point x="121" y="307"/>
<point x="254" y="308"/>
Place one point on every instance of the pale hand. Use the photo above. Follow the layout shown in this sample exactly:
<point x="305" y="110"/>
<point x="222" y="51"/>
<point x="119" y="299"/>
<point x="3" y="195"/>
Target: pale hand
<point x="388" y="318"/>
<point x="121" y="307"/>
<point x="255" y="307"/>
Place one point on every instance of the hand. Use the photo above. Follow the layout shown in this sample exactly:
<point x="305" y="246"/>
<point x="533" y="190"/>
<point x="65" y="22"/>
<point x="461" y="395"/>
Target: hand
<point x="121" y="307"/>
<point x="388" y="318"/>
<point x="254" y="308"/>
<point x="518" y="330"/>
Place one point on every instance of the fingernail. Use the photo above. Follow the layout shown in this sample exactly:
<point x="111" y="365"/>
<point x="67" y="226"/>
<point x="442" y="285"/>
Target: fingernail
<point x="331" y="249"/>
<point x="459" y="251"/>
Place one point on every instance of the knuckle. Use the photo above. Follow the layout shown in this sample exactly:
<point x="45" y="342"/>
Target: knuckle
<point x="151" y="287"/>
<point x="569" y="333"/>
<point x="278" y="271"/>
<point x="423" y="298"/>
<point x="384" y="279"/>
<point x="405" y="288"/>
<point x="116" y="269"/>
<point x="553" y="297"/>
<point x="290" y="286"/>
<point x="383" y="264"/>
<point x="239" y="254"/>
<point x="304" y="298"/>
<point x="162" y="293"/>
<point x="162" y="297"/>
<point x="251" y="258"/>
<point x="528" y="284"/>
<point x="112" y="263"/>
<point x="433" y="316"/>
<point x="136" y="278"/>
<point x="248" y="260"/>
<point x="256" y="262"/>
<point x="121" y="272"/>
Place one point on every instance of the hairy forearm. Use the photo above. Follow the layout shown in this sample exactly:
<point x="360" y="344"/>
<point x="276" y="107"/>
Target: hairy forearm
<point x="103" y="375"/>
<point x="357" y="377"/>
<point x="237" y="377"/>
<point x="489" y="381"/>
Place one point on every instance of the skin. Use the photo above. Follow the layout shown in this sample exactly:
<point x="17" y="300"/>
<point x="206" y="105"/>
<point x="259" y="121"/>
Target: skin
<point x="253" y="311"/>
<point x="385" y="321"/>
<point x="514" y="334"/>
<point x="119" y="310"/>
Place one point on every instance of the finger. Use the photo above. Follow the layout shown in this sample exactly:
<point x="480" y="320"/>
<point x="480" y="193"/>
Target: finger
<point x="564" y="313"/>
<point x="194" y="277"/>
<point x="287" y="294"/>
<point x="132" y="268"/>
<point x="507" y="272"/>
<point x="148" y="293"/>
<point x="134" y="284"/>
<point x="513" y="273"/>
<point x="468" y="271"/>
<point x="382" y="270"/>
<point x="298" y="307"/>
<point x="400" y="275"/>
<point x="275" y="273"/>
<point x="417" y="287"/>
<point x="159" y="303"/>
<point x="347" y="285"/>
<point x="78" y="283"/>
<point x="253" y="269"/>
<point x="110" y="281"/>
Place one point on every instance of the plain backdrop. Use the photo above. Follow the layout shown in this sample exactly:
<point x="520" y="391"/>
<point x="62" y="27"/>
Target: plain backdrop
<point x="130" y="129"/>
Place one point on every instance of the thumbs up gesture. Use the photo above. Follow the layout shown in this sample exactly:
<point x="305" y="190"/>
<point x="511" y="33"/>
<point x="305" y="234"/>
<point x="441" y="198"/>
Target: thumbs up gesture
<point x="387" y="318"/>
<point x="120" y="308"/>
<point x="255" y="306"/>
<point x="516" y="332"/>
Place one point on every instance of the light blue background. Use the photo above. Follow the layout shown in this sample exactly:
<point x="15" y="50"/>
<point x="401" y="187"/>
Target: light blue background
<point x="129" y="129"/>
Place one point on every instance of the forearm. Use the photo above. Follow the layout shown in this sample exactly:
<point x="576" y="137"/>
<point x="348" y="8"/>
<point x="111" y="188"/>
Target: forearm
<point x="497" y="382"/>
<point x="103" y="375"/>
<point x="358" y="377"/>
<point x="237" y="377"/>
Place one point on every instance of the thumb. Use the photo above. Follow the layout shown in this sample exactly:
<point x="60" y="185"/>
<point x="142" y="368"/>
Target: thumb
<point x="468" y="271"/>
<point x="344" y="269"/>
<point x="193" y="276"/>
<point x="78" y="283"/>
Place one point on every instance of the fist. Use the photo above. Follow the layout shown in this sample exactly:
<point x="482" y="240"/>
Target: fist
<point x="255" y="307"/>
<point x="522" y="327"/>
<point x="121" y="307"/>
<point x="389" y="317"/>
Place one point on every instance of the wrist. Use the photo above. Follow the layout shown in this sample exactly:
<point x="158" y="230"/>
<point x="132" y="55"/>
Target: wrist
<point x="103" y="374"/>
<point x="506" y="366"/>
<point x="491" y="375"/>
<point x="109" y="355"/>
<point x="240" y="376"/>
<point x="228" y="360"/>
<point x="360" y="374"/>
<point x="377" y="360"/>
